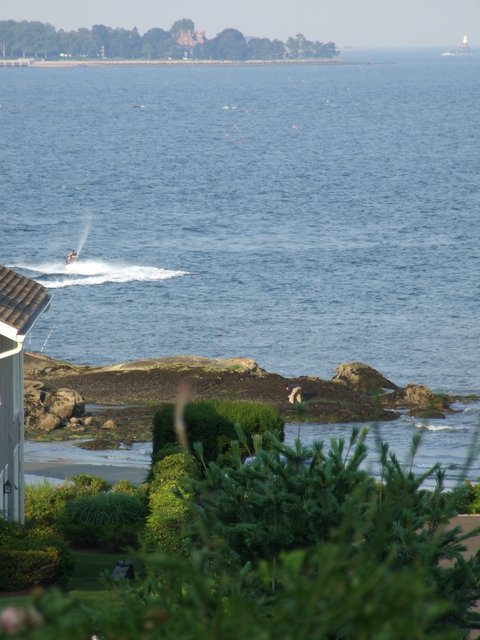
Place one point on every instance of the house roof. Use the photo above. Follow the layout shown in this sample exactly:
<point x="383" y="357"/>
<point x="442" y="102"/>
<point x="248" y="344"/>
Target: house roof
<point x="185" y="39"/>
<point x="22" y="300"/>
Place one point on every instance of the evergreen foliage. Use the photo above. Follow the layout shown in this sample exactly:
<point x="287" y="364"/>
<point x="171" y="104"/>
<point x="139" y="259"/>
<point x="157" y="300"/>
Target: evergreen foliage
<point x="291" y="499"/>
<point x="285" y="499"/>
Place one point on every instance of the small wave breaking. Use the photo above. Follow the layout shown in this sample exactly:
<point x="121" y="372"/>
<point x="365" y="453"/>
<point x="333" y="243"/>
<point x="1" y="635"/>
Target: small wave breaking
<point x="57" y="275"/>
<point x="438" y="427"/>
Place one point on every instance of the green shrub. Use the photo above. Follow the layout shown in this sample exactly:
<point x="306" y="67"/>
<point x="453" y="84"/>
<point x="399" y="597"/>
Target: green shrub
<point x="43" y="503"/>
<point x="168" y="503"/>
<point x="213" y="424"/>
<point x="24" y="568"/>
<point x="84" y="484"/>
<point x="203" y="425"/>
<point x="466" y="498"/>
<point x="30" y="557"/>
<point x="252" y="417"/>
<point x="125" y="487"/>
<point x="106" y="508"/>
<point x="109" y="521"/>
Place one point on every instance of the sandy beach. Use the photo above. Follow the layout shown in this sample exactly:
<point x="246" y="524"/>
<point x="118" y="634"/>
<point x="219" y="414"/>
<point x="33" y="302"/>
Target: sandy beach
<point x="61" y="460"/>
<point x="58" y="471"/>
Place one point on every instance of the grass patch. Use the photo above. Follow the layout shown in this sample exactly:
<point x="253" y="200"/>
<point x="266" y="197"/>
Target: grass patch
<point x="88" y="582"/>
<point x="20" y="600"/>
<point x="90" y="569"/>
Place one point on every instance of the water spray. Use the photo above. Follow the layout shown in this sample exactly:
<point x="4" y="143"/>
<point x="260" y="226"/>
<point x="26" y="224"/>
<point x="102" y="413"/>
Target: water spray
<point x="85" y="234"/>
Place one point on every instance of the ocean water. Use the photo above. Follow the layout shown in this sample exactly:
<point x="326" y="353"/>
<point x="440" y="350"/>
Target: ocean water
<point x="301" y="215"/>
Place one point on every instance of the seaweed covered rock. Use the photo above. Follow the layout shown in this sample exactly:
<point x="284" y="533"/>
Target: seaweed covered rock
<point x="363" y="378"/>
<point x="420" y="400"/>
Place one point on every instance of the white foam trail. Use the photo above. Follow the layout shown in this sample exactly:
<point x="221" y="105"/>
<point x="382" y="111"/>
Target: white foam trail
<point x="95" y="272"/>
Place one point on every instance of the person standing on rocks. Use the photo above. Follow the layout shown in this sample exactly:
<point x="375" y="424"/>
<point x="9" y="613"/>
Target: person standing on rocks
<point x="294" y="393"/>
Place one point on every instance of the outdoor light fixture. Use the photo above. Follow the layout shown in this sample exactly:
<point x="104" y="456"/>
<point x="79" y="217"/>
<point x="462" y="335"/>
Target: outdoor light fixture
<point x="7" y="487"/>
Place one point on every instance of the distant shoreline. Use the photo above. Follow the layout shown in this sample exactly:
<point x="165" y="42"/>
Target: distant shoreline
<point x="68" y="64"/>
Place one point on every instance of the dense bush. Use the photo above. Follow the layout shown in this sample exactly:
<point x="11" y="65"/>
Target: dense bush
<point x="108" y="521"/>
<point x="253" y="417"/>
<point x="468" y="497"/>
<point x="44" y="501"/>
<point x="127" y="488"/>
<point x="168" y="504"/>
<point x="84" y="484"/>
<point x="203" y="424"/>
<point x="213" y="424"/>
<point x="30" y="557"/>
<point x="24" y="568"/>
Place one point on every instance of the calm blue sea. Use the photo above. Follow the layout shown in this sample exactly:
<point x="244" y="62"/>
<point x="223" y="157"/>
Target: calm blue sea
<point x="301" y="215"/>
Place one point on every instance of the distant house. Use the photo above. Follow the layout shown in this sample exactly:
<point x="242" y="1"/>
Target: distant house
<point x="185" y="39"/>
<point x="188" y="40"/>
<point x="22" y="300"/>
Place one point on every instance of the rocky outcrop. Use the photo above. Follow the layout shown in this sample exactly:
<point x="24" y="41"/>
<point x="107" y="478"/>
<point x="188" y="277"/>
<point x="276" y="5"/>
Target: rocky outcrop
<point x="46" y="410"/>
<point x="65" y="403"/>
<point x="127" y="395"/>
<point x="361" y="377"/>
<point x="420" y="401"/>
<point x="238" y="365"/>
<point x="40" y="365"/>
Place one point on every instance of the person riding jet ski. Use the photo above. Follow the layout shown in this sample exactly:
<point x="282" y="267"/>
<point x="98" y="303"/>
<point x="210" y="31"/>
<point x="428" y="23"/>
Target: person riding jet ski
<point x="71" y="257"/>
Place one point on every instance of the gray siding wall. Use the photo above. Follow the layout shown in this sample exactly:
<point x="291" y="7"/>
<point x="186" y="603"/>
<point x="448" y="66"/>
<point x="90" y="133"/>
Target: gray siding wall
<point x="11" y="431"/>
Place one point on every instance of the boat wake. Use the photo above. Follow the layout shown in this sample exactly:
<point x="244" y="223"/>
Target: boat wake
<point x="58" y="275"/>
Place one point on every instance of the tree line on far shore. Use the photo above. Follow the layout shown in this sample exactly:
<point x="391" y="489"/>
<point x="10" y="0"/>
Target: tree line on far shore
<point x="181" y="41"/>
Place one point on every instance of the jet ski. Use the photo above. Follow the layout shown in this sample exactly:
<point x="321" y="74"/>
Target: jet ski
<point x="72" y="256"/>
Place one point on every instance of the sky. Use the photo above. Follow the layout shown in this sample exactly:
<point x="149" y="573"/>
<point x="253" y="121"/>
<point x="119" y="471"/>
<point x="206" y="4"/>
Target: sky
<point x="356" y="23"/>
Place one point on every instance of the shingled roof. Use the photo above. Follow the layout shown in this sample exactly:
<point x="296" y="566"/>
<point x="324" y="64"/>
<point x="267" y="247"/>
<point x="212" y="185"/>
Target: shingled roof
<point x="22" y="300"/>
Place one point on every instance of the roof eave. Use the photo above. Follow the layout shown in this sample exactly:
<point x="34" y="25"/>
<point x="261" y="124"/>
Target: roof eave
<point x="8" y="331"/>
<point x="20" y="334"/>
